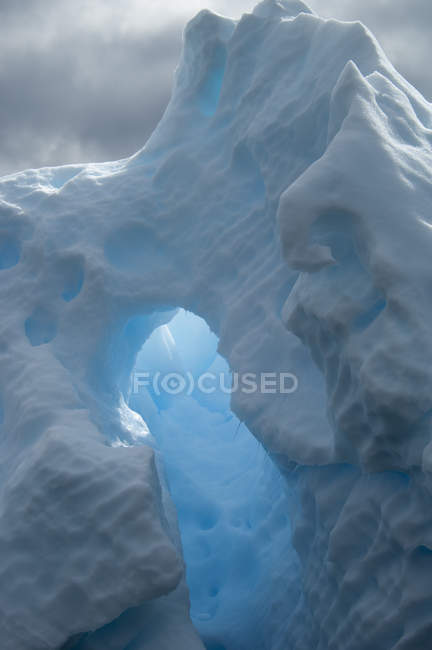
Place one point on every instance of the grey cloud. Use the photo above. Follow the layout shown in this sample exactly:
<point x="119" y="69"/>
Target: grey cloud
<point x="81" y="96"/>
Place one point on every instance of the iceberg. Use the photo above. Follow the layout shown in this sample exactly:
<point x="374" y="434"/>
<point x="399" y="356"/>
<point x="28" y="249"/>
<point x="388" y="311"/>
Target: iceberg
<point x="277" y="221"/>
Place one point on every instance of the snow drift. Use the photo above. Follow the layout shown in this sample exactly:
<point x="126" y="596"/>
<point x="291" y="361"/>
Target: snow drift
<point x="285" y="198"/>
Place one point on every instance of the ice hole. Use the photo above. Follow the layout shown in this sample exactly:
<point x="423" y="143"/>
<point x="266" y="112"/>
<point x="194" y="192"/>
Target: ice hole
<point x="211" y="87"/>
<point x="232" y="503"/>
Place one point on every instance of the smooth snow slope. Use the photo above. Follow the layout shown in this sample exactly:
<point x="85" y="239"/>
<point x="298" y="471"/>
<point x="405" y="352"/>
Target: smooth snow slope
<point x="285" y="132"/>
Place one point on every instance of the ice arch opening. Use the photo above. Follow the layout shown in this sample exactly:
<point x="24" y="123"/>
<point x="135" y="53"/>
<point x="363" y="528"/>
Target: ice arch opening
<point x="232" y="503"/>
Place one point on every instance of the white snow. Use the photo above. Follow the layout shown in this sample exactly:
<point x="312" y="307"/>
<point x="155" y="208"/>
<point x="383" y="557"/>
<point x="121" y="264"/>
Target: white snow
<point x="285" y="198"/>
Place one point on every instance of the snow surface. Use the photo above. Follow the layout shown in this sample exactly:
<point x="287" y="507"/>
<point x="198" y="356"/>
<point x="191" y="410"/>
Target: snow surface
<point x="285" y="199"/>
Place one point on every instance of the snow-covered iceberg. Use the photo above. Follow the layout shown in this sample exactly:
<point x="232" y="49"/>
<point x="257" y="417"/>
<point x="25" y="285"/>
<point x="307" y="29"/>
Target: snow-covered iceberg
<point x="285" y="198"/>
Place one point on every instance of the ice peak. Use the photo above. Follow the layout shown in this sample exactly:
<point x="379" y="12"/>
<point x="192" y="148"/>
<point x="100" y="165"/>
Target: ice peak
<point x="280" y="8"/>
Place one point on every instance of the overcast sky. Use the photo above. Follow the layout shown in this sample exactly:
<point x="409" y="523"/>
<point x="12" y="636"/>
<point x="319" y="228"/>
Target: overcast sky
<point x="87" y="80"/>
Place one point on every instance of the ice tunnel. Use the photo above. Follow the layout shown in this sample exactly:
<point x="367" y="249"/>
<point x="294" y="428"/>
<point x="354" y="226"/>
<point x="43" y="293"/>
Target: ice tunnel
<point x="232" y="503"/>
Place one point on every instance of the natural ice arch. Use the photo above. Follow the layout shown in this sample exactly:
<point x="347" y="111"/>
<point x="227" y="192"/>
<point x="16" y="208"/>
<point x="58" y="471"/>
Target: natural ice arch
<point x="232" y="502"/>
<point x="191" y="220"/>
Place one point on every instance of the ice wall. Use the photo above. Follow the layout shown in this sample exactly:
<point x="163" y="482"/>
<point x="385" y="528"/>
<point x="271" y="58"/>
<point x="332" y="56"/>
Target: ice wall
<point x="285" y="132"/>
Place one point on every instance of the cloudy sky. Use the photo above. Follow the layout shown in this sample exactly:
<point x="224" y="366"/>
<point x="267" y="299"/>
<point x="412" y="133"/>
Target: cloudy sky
<point x="86" y="80"/>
